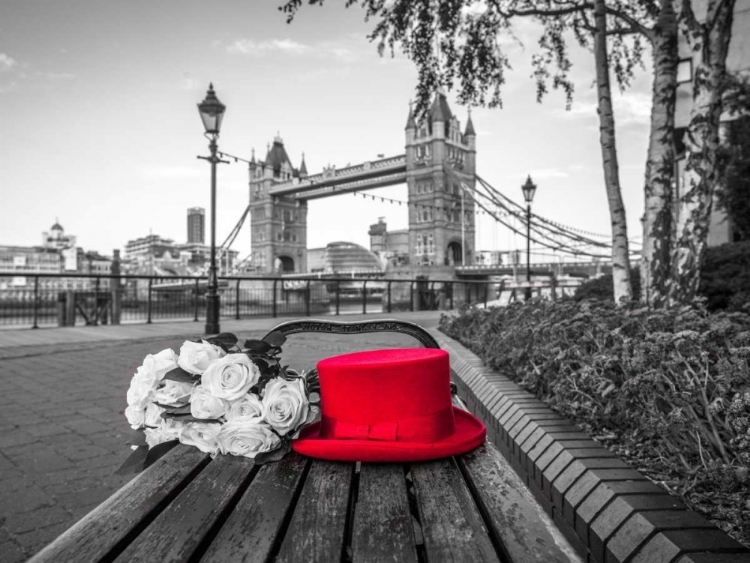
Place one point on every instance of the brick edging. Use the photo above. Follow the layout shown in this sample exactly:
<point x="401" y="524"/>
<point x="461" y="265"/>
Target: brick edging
<point x="608" y="511"/>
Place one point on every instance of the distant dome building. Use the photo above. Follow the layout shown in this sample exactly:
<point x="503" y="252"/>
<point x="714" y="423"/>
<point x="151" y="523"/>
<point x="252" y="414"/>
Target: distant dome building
<point x="348" y="257"/>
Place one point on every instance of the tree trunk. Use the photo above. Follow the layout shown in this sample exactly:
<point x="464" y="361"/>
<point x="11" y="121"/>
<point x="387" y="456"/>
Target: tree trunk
<point x="620" y="254"/>
<point x="657" y="218"/>
<point x="710" y="41"/>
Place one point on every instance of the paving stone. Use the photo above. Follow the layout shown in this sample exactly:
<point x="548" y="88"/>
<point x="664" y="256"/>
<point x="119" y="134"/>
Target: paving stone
<point x="10" y="552"/>
<point x="16" y="438"/>
<point x="22" y="500"/>
<point x="39" y="518"/>
<point x="45" y="429"/>
<point x="35" y="541"/>
<point x="43" y="462"/>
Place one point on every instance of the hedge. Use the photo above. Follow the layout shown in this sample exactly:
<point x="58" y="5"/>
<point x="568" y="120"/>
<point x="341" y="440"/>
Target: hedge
<point x="667" y="390"/>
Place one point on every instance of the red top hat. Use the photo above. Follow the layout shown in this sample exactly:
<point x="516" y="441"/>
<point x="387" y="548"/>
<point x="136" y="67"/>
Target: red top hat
<point x="388" y="405"/>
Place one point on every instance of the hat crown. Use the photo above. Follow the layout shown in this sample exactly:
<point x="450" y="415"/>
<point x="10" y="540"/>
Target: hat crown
<point x="401" y="394"/>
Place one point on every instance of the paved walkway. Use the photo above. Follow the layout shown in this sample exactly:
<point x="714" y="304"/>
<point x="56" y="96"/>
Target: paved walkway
<point x="62" y="427"/>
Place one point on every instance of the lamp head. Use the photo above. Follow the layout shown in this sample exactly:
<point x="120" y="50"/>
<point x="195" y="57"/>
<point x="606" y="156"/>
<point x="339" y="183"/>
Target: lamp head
<point x="211" y="111"/>
<point x="529" y="189"/>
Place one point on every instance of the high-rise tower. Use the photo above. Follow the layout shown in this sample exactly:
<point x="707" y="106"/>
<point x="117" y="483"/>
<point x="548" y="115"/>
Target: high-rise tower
<point x="196" y="225"/>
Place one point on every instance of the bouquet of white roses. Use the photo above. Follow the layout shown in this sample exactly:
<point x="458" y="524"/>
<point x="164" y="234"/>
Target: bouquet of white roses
<point x="220" y="398"/>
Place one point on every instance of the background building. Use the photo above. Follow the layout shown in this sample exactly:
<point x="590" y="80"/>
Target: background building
<point x="196" y="225"/>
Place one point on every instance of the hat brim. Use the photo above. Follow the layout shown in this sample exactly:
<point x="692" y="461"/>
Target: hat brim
<point x="469" y="434"/>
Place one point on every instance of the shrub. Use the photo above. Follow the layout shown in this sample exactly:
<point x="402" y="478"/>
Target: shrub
<point x="725" y="276"/>
<point x="668" y="389"/>
<point x="601" y="287"/>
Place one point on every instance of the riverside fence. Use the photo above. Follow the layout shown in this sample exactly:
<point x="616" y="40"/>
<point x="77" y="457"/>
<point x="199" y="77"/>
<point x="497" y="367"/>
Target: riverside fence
<point x="36" y="300"/>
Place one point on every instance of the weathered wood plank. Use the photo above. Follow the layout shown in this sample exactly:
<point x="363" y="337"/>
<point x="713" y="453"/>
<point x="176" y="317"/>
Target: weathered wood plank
<point x="382" y="513"/>
<point x="526" y="531"/>
<point x="452" y="526"/>
<point x="250" y="532"/>
<point x="317" y="529"/>
<point x="93" y="537"/>
<point x="178" y="531"/>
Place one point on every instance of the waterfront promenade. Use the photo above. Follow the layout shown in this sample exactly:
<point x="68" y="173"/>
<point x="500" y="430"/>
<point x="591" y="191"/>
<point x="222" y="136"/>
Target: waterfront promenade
<point x="62" y="428"/>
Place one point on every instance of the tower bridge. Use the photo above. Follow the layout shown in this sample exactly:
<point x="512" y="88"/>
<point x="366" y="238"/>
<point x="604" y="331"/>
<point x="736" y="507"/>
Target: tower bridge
<point x="439" y="156"/>
<point x="332" y="181"/>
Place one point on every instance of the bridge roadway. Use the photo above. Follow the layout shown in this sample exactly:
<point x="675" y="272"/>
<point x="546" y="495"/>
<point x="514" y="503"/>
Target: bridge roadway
<point x="371" y="174"/>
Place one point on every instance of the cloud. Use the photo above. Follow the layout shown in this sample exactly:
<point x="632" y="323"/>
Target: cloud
<point x="7" y="62"/>
<point x="631" y="108"/>
<point x="290" y="47"/>
<point x="188" y="82"/>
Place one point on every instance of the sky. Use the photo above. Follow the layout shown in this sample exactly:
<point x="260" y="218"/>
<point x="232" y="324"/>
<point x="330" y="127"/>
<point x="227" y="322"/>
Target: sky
<point x="100" y="129"/>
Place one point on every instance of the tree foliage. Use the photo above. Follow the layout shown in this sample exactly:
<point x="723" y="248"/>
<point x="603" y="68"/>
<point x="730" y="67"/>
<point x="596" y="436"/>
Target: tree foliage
<point x="454" y="43"/>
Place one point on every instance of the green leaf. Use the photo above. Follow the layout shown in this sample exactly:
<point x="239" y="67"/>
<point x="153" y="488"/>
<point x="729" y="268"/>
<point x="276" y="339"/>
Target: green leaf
<point x="181" y="376"/>
<point x="137" y="438"/>
<point x="182" y="409"/>
<point x="275" y="338"/>
<point x="274" y="455"/>
<point x="158" y="451"/>
<point x="225" y="338"/>
<point x="187" y="418"/>
<point x="134" y="463"/>
<point x="258" y="346"/>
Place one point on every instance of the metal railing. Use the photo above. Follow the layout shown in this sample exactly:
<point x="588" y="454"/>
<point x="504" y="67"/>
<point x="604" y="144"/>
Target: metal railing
<point x="36" y="300"/>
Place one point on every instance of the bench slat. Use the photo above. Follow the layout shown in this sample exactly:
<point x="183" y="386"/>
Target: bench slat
<point x="452" y="526"/>
<point x="94" y="536"/>
<point x="250" y="532"/>
<point x="191" y="515"/>
<point x="316" y="532"/>
<point x="382" y="511"/>
<point x="526" y="531"/>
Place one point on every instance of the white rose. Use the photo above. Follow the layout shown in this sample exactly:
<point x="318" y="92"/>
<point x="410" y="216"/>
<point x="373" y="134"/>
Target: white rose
<point x="156" y="436"/>
<point x="247" y="408"/>
<point x="195" y="357"/>
<point x="204" y="405"/>
<point x="139" y="394"/>
<point x="153" y="415"/>
<point x="202" y="435"/>
<point x="173" y="393"/>
<point x="136" y="416"/>
<point x="148" y="376"/>
<point x="159" y="364"/>
<point x="230" y="377"/>
<point x="247" y="439"/>
<point x="171" y="427"/>
<point x="286" y="404"/>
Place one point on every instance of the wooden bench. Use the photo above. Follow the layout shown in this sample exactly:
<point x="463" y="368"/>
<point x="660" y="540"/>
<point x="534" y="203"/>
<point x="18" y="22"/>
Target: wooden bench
<point x="188" y="507"/>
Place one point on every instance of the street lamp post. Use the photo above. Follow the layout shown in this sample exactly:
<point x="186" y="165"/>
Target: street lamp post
<point x="529" y="189"/>
<point x="212" y="111"/>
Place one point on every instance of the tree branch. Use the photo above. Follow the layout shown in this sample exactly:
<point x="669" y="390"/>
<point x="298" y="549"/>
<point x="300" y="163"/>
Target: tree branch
<point x="686" y="17"/>
<point x="635" y="25"/>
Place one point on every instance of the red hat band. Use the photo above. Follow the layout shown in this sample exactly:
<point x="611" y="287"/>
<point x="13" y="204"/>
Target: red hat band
<point x="428" y="428"/>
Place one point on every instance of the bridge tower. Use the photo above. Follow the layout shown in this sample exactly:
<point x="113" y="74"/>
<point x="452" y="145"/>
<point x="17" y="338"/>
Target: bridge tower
<point x="439" y="159"/>
<point x="278" y="224"/>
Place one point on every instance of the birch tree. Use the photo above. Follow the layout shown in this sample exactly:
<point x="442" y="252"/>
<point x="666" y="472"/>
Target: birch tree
<point x="709" y="41"/>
